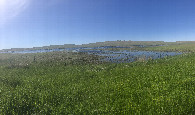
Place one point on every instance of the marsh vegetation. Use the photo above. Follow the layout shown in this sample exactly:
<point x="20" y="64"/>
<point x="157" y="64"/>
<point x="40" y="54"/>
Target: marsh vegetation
<point x="81" y="83"/>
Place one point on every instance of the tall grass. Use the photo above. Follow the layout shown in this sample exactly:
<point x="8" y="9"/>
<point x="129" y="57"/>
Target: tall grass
<point x="80" y="84"/>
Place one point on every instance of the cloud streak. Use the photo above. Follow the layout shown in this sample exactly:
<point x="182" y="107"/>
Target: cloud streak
<point x="11" y="8"/>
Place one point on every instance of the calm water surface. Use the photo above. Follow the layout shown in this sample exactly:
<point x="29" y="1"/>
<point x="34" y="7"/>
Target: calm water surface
<point x="110" y="56"/>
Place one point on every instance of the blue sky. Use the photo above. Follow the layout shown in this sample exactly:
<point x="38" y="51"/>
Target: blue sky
<point x="29" y="23"/>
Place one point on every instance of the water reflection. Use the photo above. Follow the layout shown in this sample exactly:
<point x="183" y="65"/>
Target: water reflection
<point x="110" y="56"/>
<point x="130" y="56"/>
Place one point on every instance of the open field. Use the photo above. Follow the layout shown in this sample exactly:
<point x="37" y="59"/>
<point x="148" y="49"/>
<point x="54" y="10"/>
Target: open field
<point x="77" y="83"/>
<point x="182" y="47"/>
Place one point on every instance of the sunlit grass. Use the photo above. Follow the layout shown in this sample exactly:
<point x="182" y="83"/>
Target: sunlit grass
<point x="74" y="83"/>
<point x="183" y="47"/>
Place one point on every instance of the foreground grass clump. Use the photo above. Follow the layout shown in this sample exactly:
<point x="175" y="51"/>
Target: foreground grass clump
<point x="78" y="84"/>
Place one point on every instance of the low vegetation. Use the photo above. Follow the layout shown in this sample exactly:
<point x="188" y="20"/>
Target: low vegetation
<point x="77" y="83"/>
<point x="179" y="47"/>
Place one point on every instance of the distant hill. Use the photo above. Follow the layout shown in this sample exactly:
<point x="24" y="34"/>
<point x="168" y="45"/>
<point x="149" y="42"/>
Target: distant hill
<point x="106" y="43"/>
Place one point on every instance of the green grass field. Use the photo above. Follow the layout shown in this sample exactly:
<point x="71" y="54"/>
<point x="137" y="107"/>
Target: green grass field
<point x="182" y="47"/>
<point x="63" y="83"/>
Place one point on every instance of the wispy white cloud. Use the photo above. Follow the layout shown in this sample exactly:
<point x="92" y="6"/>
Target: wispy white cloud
<point x="11" y="8"/>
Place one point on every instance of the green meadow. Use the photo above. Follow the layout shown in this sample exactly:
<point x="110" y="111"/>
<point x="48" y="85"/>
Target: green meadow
<point x="181" y="47"/>
<point x="61" y="83"/>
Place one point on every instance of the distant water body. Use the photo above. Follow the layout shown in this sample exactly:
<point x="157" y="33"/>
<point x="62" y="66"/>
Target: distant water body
<point x="109" y="56"/>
